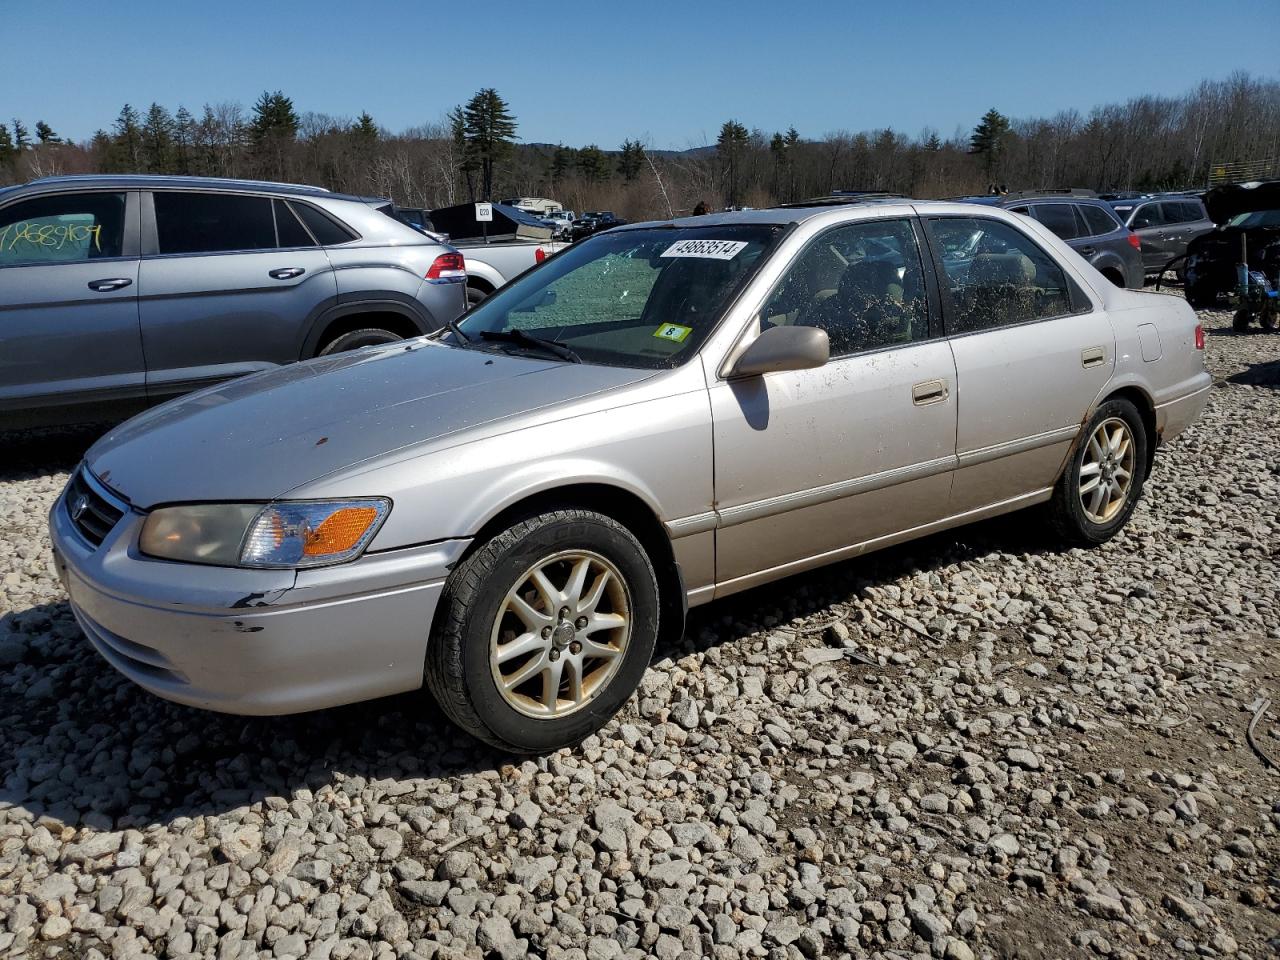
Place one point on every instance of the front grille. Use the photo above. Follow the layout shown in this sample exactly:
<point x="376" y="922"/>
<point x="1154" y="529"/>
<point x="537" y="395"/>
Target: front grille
<point x="89" y="509"/>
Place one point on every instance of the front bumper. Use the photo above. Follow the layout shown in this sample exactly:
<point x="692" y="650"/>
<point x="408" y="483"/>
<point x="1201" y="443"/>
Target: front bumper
<point x="256" y="642"/>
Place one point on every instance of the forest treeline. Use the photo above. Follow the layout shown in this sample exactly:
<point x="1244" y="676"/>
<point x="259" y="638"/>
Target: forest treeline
<point x="473" y="152"/>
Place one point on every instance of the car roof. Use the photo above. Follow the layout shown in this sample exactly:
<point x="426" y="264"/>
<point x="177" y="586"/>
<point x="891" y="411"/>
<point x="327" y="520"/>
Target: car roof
<point x="136" y="181"/>
<point x="783" y="216"/>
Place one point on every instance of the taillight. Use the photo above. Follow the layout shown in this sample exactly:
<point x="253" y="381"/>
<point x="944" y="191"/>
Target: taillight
<point x="1135" y="241"/>
<point x="448" y="268"/>
<point x="539" y="255"/>
<point x="1199" y="337"/>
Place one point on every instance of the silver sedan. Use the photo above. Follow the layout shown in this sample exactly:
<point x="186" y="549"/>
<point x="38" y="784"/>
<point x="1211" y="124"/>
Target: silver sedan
<point x="511" y="511"/>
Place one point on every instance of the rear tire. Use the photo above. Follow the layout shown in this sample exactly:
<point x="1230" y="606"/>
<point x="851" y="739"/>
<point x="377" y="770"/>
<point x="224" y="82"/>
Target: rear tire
<point x="476" y="295"/>
<point x="1100" y="487"/>
<point x="355" y="339"/>
<point x="1268" y="320"/>
<point x="1201" y="297"/>
<point x="497" y="623"/>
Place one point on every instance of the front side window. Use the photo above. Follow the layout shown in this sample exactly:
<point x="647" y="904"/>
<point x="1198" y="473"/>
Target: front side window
<point x="1147" y="215"/>
<point x="862" y="283"/>
<point x="1060" y="218"/>
<point x="213" y="222"/>
<point x="63" y="228"/>
<point x="630" y="298"/>
<point x="997" y="276"/>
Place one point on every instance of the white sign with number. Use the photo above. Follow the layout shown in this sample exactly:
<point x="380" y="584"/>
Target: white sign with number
<point x="484" y="213"/>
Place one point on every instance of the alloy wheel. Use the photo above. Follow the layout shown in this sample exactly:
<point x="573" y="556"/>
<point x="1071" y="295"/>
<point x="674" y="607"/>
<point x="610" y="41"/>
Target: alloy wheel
<point x="560" y="634"/>
<point x="1106" y="472"/>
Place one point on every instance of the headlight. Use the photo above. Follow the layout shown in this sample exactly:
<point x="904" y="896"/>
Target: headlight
<point x="299" y="534"/>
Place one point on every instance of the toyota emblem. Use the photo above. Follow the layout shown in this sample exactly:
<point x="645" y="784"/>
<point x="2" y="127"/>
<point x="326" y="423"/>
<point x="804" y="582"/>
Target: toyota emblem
<point x="79" y="507"/>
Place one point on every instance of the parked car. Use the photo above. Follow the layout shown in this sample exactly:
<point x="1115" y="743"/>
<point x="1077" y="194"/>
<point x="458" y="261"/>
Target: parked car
<point x="560" y="222"/>
<point x="1248" y="232"/>
<point x="659" y="416"/>
<point x="1091" y="228"/>
<point x="121" y="291"/>
<point x="498" y="250"/>
<point x="593" y="222"/>
<point x="1165" y="225"/>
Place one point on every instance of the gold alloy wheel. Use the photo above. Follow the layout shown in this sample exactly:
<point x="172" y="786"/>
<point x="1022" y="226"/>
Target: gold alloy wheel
<point x="1106" y="473"/>
<point x="560" y="634"/>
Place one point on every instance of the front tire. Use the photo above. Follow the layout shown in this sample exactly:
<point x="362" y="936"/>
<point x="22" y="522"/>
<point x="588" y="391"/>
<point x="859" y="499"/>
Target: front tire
<point x="544" y="632"/>
<point x="355" y="339"/>
<point x="1098" y="491"/>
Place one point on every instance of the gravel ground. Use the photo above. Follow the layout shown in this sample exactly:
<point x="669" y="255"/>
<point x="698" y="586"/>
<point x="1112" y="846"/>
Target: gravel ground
<point x="1047" y="760"/>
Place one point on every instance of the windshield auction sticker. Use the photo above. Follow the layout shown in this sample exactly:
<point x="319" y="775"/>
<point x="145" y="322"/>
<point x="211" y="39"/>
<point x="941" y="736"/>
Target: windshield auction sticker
<point x="672" y="331"/>
<point x="706" y="249"/>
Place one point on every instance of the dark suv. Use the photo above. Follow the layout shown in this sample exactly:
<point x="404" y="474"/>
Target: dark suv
<point x="1089" y="227"/>
<point x="1165" y="225"/>
<point x="120" y="291"/>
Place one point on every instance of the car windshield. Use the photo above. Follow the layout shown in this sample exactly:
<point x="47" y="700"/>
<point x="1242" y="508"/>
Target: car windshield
<point x="628" y="298"/>
<point x="1256" y="218"/>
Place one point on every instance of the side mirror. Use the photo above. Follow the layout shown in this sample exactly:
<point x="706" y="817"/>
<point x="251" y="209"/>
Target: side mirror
<point x="783" y="348"/>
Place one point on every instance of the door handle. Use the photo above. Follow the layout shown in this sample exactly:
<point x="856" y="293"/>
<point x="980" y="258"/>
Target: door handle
<point x="1092" y="357"/>
<point x="286" y="273"/>
<point x="930" y="391"/>
<point x="112" y="283"/>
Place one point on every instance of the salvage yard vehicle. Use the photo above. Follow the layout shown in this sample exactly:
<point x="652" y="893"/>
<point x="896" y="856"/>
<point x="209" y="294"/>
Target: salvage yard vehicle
<point x="1090" y="227"/>
<point x="498" y="251"/>
<point x="511" y="512"/>
<point x="121" y="291"/>
<point x="1165" y="225"/>
<point x="1241" y="258"/>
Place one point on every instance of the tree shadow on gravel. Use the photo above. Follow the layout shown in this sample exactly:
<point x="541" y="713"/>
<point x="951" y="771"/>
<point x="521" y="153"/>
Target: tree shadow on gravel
<point x="85" y="746"/>
<point x="26" y="454"/>
<point x="1259" y="375"/>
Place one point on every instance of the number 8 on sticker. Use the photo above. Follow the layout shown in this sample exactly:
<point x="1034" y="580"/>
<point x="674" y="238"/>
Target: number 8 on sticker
<point x="672" y="331"/>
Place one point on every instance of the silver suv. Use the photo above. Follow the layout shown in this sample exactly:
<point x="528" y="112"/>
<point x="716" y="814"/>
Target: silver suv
<point x="117" y="292"/>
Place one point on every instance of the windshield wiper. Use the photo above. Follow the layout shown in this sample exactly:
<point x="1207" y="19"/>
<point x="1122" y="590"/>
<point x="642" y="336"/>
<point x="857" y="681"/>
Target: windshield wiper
<point x="456" y="330"/>
<point x="521" y="338"/>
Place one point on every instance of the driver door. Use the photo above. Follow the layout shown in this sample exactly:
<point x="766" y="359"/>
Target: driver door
<point x="814" y="465"/>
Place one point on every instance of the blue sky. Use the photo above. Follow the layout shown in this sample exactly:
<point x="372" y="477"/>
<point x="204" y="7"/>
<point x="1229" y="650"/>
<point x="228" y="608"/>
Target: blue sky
<point x="602" y="71"/>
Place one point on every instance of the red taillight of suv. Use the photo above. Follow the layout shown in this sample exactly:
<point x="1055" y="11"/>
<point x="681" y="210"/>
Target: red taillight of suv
<point x="448" y="268"/>
<point x="539" y="255"/>
<point x="1135" y="241"/>
<point x="1199" y="337"/>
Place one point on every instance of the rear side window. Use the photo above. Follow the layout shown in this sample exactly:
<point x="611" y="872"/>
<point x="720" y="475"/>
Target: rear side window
<point x="289" y="229"/>
<point x="64" y="228"/>
<point x="1187" y="211"/>
<point x="1060" y="218"/>
<point x="1097" y="220"/>
<point x="324" y="228"/>
<point x="997" y="276"/>
<point x="213" y="223"/>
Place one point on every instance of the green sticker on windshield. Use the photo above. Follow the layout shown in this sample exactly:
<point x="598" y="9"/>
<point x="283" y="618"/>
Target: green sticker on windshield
<point x="672" y="331"/>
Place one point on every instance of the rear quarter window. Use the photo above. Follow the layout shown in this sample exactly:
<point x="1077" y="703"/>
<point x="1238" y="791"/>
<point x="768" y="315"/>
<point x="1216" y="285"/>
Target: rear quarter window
<point x="327" y="231"/>
<point x="1097" y="220"/>
<point x="1060" y="218"/>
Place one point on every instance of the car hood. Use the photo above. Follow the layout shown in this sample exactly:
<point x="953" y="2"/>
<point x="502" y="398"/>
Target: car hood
<point x="1228" y="201"/>
<point x="259" y="437"/>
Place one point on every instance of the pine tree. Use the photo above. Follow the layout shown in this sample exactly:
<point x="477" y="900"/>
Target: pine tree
<point x="365" y="130"/>
<point x="21" y="138"/>
<point x="631" y="160"/>
<point x="563" y="161"/>
<point x="44" y="133"/>
<point x="184" y="136"/>
<point x="126" y="153"/>
<point x="468" y="163"/>
<point x="157" y="140"/>
<point x="593" y="164"/>
<point x="489" y="129"/>
<point x="989" y="139"/>
<point x="273" y="129"/>
<point x="7" y="149"/>
<point x="730" y="147"/>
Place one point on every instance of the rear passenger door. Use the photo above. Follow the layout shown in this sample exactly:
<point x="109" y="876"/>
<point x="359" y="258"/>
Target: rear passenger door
<point x="69" y="306"/>
<point x="229" y="283"/>
<point x="1157" y="235"/>
<point x="1031" y="356"/>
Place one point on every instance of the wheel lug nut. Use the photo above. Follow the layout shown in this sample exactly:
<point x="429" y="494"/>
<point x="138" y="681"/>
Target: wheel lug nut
<point x="564" y="613"/>
<point x="575" y="647"/>
<point x="546" y="633"/>
<point x="554" y="655"/>
<point x="581" y="623"/>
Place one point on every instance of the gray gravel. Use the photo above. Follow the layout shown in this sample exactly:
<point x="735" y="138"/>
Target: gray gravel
<point x="1048" y="760"/>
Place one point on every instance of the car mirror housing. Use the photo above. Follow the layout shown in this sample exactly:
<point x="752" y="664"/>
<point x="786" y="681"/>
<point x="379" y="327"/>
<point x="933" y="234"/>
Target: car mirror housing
<point x="783" y="348"/>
